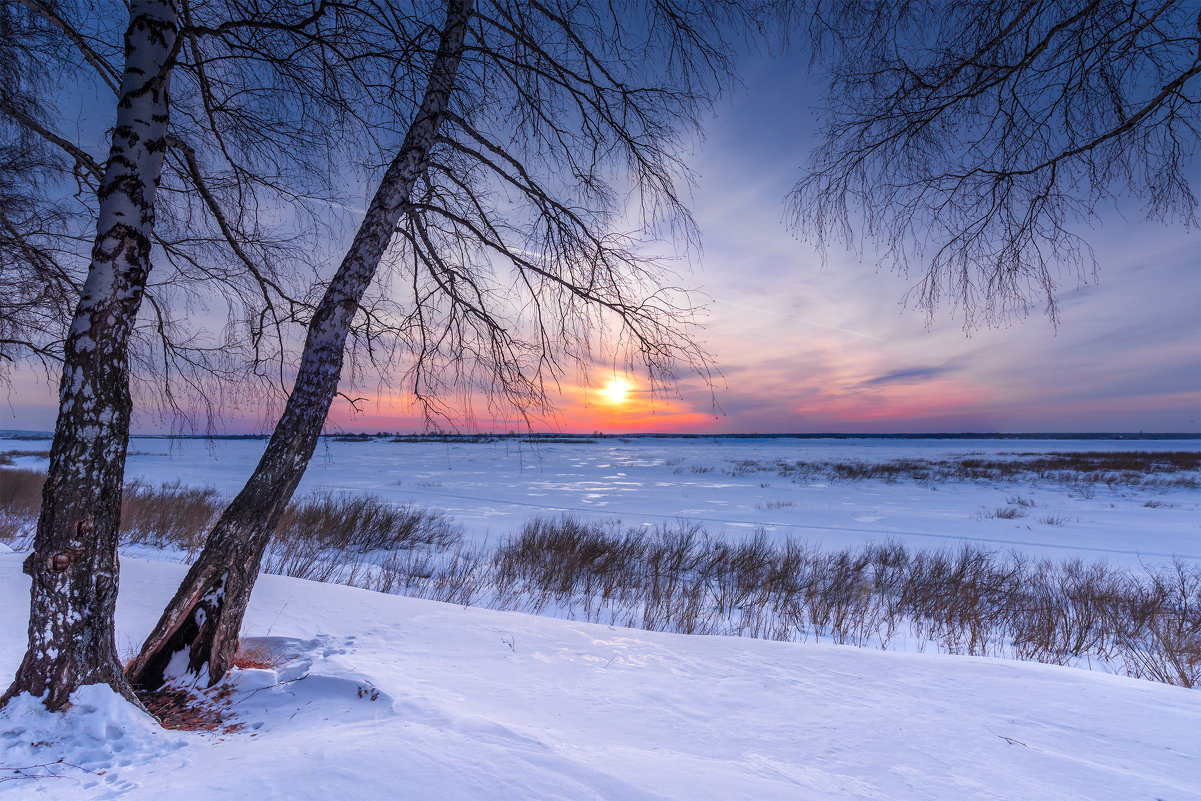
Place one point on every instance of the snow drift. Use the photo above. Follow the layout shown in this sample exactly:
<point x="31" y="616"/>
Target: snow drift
<point x="377" y="697"/>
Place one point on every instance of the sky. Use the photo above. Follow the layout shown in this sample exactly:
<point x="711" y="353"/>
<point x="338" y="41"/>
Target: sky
<point x="803" y="345"/>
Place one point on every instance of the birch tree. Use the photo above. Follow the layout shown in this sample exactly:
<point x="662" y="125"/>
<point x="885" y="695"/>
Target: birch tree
<point x="74" y="567"/>
<point x="505" y="245"/>
<point x="500" y="217"/>
<point x="204" y="618"/>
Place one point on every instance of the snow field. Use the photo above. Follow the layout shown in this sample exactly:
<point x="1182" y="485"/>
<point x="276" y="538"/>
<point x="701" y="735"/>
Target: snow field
<point x="378" y="697"/>
<point x="381" y="697"/>
<point x="492" y="489"/>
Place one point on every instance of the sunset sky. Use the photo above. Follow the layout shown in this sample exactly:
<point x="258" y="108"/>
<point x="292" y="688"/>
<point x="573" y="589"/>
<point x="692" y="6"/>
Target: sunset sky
<point x="804" y="347"/>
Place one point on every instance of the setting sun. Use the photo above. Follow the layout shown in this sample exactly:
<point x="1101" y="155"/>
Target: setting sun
<point x="617" y="391"/>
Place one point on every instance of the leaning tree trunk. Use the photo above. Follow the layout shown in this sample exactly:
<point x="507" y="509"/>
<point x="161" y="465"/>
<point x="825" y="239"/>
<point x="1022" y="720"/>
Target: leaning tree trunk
<point x="74" y="562"/>
<point x="204" y="618"/>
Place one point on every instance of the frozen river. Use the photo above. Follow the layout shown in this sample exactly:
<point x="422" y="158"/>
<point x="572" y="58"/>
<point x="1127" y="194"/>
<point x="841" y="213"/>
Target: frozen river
<point x="492" y="488"/>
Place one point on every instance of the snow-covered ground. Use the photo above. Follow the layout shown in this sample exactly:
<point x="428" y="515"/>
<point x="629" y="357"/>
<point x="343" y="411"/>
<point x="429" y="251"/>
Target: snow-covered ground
<point x="380" y="697"/>
<point x="493" y="488"/>
<point x="384" y="697"/>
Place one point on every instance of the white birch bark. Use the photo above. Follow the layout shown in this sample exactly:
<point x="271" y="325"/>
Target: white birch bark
<point x="205" y="615"/>
<point x="74" y="563"/>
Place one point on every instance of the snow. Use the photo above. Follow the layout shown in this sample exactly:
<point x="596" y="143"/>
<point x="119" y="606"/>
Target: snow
<point x="100" y="731"/>
<point x="377" y="697"/>
<point x="380" y="697"/>
<point x="493" y="488"/>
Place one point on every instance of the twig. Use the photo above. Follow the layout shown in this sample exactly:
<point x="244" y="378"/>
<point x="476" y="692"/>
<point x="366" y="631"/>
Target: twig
<point x="1009" y="740"/>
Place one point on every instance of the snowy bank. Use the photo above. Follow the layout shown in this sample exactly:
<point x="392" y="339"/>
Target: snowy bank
<point x="379" y="697"/>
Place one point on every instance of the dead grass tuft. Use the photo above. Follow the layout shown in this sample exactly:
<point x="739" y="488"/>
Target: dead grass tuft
<point x="254" y="658"/>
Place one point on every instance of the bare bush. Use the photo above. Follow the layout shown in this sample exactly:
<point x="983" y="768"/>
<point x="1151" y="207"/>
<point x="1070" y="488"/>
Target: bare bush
<point x="1143" y="623"/>
<point x="1164" y="641"/>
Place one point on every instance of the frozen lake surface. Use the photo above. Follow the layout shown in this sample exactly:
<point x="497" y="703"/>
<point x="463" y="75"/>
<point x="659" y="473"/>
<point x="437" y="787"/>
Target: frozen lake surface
<point x="493" y="488"/>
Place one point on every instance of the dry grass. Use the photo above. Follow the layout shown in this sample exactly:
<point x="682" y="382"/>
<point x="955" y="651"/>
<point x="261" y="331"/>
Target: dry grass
<point x="172" y="515"/>
<point x="971" y="601"/>
<point x="21" y="491"/>
<point x="1112" y="468"/>
<point x="190" y="709"/>
<point x="361" y="523"/>
<point x="254" y="658"/>
<point x="20" y="502"/>
<point x="1144" y="623"/>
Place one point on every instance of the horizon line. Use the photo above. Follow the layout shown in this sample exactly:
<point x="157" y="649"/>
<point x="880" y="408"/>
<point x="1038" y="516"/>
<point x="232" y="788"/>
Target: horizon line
<point x="581" y="435"/>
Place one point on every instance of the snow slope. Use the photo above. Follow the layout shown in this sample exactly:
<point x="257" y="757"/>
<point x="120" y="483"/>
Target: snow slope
<point x="382" y="697"/>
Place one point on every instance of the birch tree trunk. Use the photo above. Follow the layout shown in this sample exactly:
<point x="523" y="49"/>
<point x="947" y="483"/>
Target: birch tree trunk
<point x="74" y="566"/>
<point x="204" y="618"/>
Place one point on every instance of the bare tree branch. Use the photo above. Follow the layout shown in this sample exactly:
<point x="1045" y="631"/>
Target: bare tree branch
<point x="975" y="138"/>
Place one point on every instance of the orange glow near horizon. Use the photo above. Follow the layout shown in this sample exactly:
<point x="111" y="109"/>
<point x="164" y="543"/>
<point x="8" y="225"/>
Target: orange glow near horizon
<point x="832" y="397"/>
<point x="617" y="403"/>
<point x="623" y="403"/>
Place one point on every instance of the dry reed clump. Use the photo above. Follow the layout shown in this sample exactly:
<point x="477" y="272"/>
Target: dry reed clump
<point x="21" y="491"/>
<point x="365" y="542"/>
<point x="170" y="515"/>
<point x="1144" y="623"/>
<point x="20" y="502"/>
<point x="314" y="537"/>
<point x="969" y="601"/>
<point x="1083" y="469"/>
<point x="361" y="523"/>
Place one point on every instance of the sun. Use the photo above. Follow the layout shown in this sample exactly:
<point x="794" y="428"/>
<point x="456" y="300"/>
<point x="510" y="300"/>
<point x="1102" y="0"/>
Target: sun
<point x="617" y="391"/>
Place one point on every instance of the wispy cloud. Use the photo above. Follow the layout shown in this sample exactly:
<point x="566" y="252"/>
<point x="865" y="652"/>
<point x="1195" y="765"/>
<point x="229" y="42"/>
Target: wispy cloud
<point x="794" y="318"/>
<point x="909" y="375"/>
